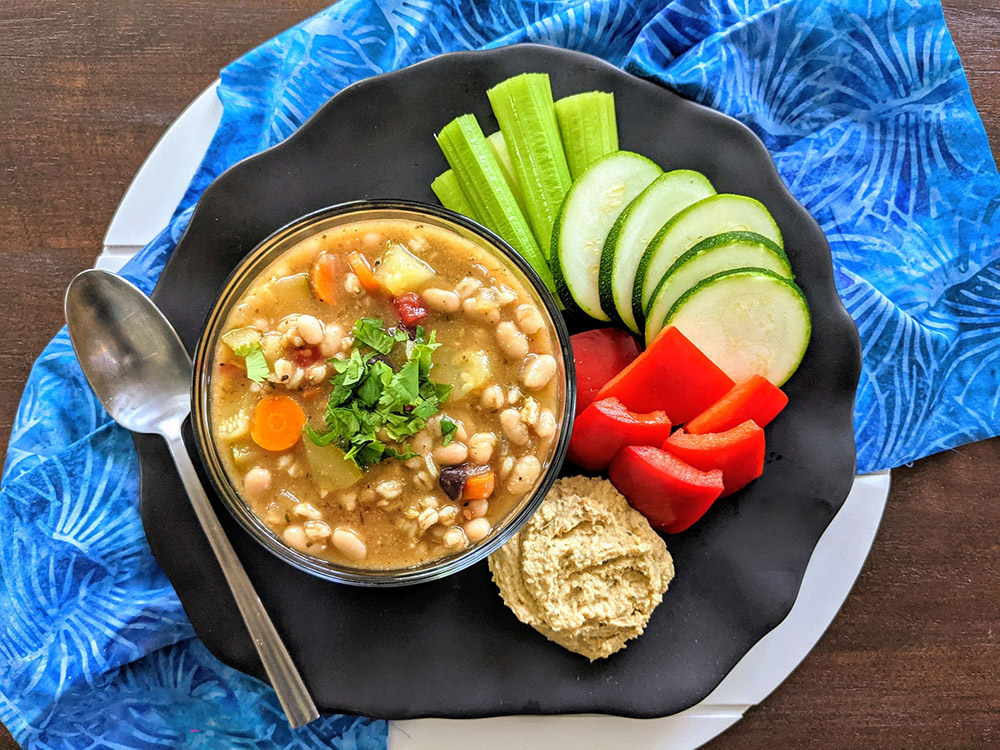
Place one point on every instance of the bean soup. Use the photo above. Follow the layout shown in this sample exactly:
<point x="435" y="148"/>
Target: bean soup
<point x="385" y="393"/>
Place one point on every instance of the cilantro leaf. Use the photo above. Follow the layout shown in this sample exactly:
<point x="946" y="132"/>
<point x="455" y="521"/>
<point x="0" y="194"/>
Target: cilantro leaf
<point x="318" y="439"/>
<point x="369" y="331"/>
<point x="256" y="362"/>
<point x="448" y="429"/>
<point x="378" y="377"/>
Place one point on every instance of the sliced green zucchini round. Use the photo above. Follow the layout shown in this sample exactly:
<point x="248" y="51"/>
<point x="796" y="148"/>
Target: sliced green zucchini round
<point x="748" y="321"/>
<point x="723" y="252"/>
<point x="635" y="227"/>
<point x="713" y="215"/>
<point x="596" y="199"/>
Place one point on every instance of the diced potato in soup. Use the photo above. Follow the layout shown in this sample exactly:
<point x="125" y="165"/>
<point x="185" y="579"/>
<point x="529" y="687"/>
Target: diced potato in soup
<point x="385" y="393"/>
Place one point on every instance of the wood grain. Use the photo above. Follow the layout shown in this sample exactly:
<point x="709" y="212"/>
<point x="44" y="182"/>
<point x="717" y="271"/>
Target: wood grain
<point x="88" y="86"/>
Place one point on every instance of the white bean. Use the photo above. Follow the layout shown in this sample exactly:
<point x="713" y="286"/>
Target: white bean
<point x="348" y="543"/>
<point x="310" y="329"/>
<point x="476" y="508"/>
<point x="451" y="454"/>
<point x="441" y="300"/>
<point x="529" y="319"/>
<point x="492" y="398"/>
<point x="513" y="343"/>
<point x="546" y="425"/>
<point x="331" y="341"/>
<point x="524" y="474"/>
<point x="538" y="371"/>
<point x="256" y="483"/>
<point x="316" y="373"/>
<point x="481" y="447"/>
<point x="295" y="537"/>
<point x="515" y="430"/>
<point x="476" y="529"/>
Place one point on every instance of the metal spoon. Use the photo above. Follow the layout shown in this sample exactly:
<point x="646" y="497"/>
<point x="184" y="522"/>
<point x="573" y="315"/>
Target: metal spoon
<point x="141" y="372"/>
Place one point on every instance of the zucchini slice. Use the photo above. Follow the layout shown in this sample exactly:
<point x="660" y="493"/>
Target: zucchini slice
<point x="748" y="321"/>
<point x="723" y="252"/>
<point x="713" y="215"/>
<point x="591" y="207"/>
<point x="635" y="227"/>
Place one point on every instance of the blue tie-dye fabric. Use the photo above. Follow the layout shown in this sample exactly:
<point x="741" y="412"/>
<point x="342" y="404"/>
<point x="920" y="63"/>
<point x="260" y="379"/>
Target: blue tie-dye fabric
<point x="865" y="108"/>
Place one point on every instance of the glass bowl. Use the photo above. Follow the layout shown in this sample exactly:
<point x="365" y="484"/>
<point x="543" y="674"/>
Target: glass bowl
<point x="248" y="271"/>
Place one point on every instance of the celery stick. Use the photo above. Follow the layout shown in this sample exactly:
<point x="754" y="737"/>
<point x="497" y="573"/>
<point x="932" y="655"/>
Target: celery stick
<point x="481" y="179"/>
<point x="523" y="107"/>
<point x="588" y="128"/>
<point x="449" y="192"/>
<point x="499" y="148"/>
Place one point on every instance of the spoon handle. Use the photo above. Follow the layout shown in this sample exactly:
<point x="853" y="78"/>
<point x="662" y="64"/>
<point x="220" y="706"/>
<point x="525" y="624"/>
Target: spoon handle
<point x="284" y="677"/>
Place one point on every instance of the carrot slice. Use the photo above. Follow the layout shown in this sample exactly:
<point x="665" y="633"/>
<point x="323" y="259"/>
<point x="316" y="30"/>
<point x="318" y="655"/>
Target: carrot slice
<point x="363" y="270"/>
<point x="277" y="423"/>
<point x="323" y="278"/>
<point x="479" y="486"/>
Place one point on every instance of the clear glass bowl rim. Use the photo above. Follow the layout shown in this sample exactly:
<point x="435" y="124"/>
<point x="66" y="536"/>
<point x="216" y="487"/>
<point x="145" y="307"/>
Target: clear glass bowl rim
<point x="247" y="270"/>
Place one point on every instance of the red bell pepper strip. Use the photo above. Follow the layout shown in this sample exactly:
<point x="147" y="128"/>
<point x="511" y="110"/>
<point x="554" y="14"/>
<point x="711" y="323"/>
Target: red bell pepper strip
<point x="606" y="426"/>
<point x="738" y="453"/>
<point x="756" y="398"/>
<point x="411" y="310"/>
<point x="671" y="494"/>
<point x="599" y="355"/>
<point x="672" y="375"/>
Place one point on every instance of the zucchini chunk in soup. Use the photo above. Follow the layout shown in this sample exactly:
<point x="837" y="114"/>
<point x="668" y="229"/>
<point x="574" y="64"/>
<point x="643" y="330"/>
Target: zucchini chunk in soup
<point x="385" y="393"/>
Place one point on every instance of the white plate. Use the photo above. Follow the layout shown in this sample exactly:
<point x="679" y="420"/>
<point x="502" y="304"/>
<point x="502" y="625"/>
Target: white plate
<point x="835" y="564"/>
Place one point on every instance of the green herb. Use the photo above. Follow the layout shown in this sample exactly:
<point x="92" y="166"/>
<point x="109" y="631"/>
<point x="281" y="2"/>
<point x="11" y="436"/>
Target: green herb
<point x="256" y="362"/>
<point x="371" y="402"/>
<point x="369" y="331"/>
<point x="448" y="429"/>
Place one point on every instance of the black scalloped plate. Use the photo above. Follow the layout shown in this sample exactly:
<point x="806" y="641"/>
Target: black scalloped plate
<point x="451" y="648"/>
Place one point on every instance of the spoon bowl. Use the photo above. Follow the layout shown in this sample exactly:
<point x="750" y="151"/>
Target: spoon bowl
<point x="129" y="352"/>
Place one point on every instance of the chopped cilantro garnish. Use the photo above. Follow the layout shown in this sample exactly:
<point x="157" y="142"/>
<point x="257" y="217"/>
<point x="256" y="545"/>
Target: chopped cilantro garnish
<point x="369" y="331"/>
<point x="448" y="429"/>
<point x="371" y="402"/>
<point x="256" y="362"/>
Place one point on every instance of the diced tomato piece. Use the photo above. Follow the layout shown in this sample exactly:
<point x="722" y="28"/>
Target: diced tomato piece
<point x="671" y="494"/>
<point x="738" y="453"/>
<point x="756" y="398"/>
<point x="410" y="308"/>
<point x="673" y="375"/>
<point x="599" y="356"/>
<point x="304" y="356"/>
<point x="606" y="426"/>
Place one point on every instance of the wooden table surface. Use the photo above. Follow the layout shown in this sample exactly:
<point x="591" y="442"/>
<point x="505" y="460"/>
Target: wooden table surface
<point x="88" y="86"/>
